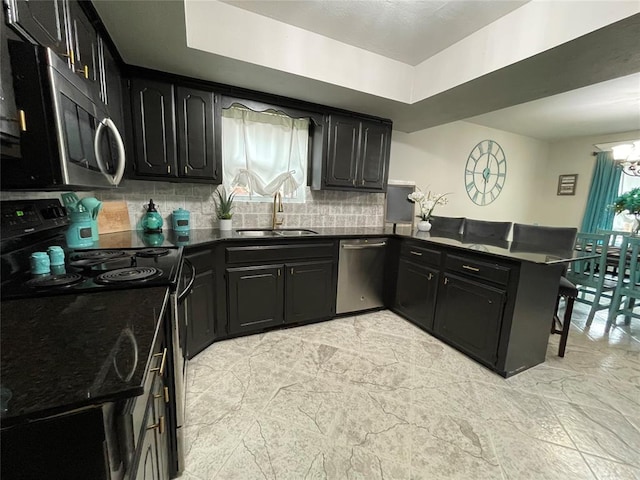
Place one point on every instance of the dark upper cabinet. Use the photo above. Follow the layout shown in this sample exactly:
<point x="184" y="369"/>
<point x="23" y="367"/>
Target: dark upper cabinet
<point x="199" y="148"/>
<point x="152" y="106"/>
<point x="255" y="297"/>
<point x="176" y="133"/>
<point x="469" y="315"/>
<point x="374" y="155"/>
<point x="357" y="154"/>
<point x="84" y="41"/>
<point x="42" y="22"/>
<point x="110" y="84"/>
<point x="309" y="288"/>
<point x="342" y="154"/>
<point x="200" y="303"/>
<point x="416" y="291"/>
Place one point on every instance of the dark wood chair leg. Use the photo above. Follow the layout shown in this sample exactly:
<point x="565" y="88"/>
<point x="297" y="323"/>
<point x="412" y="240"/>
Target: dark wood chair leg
<point x="566" y="323"/>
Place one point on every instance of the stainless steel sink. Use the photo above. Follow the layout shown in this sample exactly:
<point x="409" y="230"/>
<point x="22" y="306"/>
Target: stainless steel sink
<point x="282" y="232"/>
<point x="294" y="232"/>
<point x="255" y="232"/>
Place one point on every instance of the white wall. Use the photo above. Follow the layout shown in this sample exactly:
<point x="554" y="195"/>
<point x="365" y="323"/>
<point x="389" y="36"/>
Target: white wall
<point x="572" y="155"/>
<point x="435" y="159"/>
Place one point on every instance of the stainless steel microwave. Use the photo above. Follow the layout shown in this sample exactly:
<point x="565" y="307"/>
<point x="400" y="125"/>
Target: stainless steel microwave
<point x="67" y="140"/>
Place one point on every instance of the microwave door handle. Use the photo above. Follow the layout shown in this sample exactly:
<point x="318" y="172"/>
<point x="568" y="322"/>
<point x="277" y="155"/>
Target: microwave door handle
<point x="107" y="122"/>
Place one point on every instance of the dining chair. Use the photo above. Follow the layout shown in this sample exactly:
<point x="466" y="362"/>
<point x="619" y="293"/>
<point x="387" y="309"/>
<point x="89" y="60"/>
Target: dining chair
<point x="447" y="224"/>
<point x="589" y="275"/>
<point x="486" y="229"/>
<point x="559" y="240"/>
<point x="628" y="286"/>
<point x="615" y="240"/>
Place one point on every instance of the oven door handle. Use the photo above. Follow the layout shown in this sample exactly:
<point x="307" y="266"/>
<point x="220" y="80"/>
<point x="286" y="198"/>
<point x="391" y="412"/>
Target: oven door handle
<point x="189" y="287"/>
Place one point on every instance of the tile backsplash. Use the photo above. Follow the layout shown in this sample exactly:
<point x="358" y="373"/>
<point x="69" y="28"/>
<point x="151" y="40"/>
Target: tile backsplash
<point x="321" y="209"/>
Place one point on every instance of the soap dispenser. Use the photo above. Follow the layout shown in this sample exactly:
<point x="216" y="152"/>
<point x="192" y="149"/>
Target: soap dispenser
<point x="152" y="221"/>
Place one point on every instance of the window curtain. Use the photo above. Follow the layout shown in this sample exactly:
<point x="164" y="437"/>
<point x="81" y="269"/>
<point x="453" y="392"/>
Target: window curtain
<point x="603" y="191"/>
<point x="263" y="152"/>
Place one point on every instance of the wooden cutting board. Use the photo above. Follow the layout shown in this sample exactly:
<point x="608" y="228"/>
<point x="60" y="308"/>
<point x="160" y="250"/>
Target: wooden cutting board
<point x="114" y="217"/>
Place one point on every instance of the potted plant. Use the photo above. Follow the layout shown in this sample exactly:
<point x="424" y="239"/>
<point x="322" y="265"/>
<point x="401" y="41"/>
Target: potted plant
<point x="629" y="202"/>
<point x="224" y="207"/>
<point x="426" y="203"/>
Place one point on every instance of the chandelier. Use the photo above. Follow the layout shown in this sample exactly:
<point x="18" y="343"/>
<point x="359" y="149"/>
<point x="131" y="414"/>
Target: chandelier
<point x="628" y="155"/>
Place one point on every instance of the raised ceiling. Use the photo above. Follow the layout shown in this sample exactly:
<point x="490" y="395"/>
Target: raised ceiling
<point x="405" y="30"/>
<point x="159" y="35"/>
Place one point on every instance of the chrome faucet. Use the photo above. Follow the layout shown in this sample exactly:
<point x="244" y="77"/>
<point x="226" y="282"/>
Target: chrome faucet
<point x="277" y="208"/>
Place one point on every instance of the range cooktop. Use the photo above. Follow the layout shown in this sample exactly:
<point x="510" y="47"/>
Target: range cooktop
<point x="95" y="270"/>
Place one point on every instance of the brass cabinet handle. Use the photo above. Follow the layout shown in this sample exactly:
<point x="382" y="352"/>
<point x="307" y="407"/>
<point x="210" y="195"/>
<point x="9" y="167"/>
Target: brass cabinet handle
<point x="84" y="71"/>
<point x="23" y="120"/>
<point x="446" y="280"/>
<point x="166" y="394"/>
<point x="160" y="369"/>
<point x="159" y="425"/>
<point x="185" y="170"/>
<point x="416" y="253"/>
<point x="430" y="276"/>
<point x="291" y="270"/>
<point x="469" y="267"/>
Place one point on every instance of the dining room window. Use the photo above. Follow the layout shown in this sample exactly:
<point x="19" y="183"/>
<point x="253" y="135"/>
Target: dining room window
<point x="625" y="221"/>
<point x="263" y="153"/>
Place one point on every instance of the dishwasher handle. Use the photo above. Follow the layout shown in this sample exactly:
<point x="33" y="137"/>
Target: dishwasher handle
<point x="360" y="246"/>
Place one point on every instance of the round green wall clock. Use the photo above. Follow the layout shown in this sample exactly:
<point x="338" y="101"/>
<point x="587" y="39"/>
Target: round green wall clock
<point x="485" y="172"/>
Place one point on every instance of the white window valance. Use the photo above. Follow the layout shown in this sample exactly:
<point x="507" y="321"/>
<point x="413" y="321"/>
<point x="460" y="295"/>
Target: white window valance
<point x="264" y="152"/>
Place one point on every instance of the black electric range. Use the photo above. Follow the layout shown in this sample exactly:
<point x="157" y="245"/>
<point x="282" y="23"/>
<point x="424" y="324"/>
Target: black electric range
<point x="31" y="226"/>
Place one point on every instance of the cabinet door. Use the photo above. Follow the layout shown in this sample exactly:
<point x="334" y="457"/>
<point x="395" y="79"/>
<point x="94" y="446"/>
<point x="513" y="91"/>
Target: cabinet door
<point x="44" y="22"/>
<point x="310" y="292"/>
<point x="416" y="292"/>
<point x="153" y="128"/>
<point x="469" y="315"/>
<point x="255" y="297"/>
<point x="198" y="151"/>
<point x="374" y="155"/>
<point x="342" y="153"/>
<point x="162" y="442"/>
<point x="111" y="91"/>
<point x="84" y="40"/>
<point x="148" y="465"/>
<point x="199" y="305"/>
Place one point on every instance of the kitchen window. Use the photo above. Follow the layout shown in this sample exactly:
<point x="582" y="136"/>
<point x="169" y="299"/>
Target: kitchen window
<point x="264" y="152"/>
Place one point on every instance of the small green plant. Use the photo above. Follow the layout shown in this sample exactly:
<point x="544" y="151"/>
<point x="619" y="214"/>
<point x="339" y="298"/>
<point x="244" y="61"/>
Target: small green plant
<point x="224" y="204"/>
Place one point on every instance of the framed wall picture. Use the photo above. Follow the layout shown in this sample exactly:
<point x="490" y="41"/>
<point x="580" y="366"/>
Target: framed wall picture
<point x="567" y="184"/>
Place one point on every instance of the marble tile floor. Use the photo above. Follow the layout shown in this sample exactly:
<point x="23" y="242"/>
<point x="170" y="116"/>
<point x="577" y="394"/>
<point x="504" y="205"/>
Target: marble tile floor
<point x="373" y="397"/>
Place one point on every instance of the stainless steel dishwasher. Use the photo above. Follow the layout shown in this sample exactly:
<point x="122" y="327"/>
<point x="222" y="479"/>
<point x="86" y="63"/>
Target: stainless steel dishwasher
<point x="360" y="274"/>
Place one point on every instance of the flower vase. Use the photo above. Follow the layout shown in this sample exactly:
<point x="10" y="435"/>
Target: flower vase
<point x="424" y="225"/>
<point x="225" y="224"/>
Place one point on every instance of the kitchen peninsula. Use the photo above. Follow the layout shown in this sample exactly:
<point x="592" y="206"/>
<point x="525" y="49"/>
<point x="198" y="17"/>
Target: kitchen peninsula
<point x="492" y="300"/>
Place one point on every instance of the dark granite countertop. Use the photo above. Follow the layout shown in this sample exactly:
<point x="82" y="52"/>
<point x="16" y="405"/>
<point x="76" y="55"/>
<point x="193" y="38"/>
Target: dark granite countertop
<point x="68" y="351"/>
<point x="201" y="237"/>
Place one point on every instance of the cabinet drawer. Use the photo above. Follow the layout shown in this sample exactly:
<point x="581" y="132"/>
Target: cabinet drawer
<point x="420" y="254"/>
<point x="482" y="270"/>
<point x="275" y="253"/>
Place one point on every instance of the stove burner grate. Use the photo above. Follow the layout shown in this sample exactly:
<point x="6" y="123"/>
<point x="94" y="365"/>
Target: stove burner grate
<point x="152" y="252"/>
<point x="125" y="275"/>
<point x="52" y="281"/>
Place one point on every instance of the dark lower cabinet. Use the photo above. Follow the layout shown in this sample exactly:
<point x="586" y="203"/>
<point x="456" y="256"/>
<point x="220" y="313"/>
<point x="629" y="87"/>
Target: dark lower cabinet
<point x="416" y="290"/>
<point x="200" y="304"/>
<point x="255" y="297"/>
<point x="469" y="315"/>
<point x="309" y="286"/>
